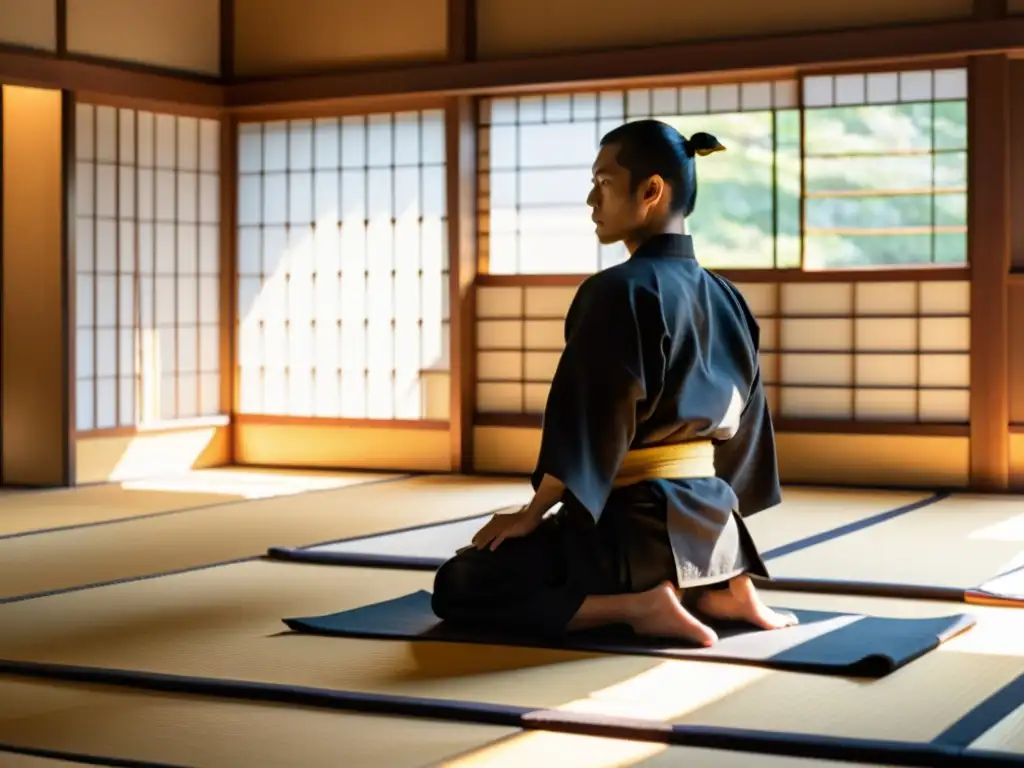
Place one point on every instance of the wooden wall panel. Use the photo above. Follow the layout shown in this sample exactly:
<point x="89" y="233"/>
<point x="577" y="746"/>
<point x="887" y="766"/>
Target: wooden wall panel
<point x="275" y="37"/>
<point x="29" y="23"/>
<point x="1017" y="165"/>
<point x="1016" y="451"/>
<point x="336" y="445"/>
<point x="1016" y="353"/>
<point x="531" y="27"/>
<point x="117" y="458"/>
<point x="1015" y="6"/>
<point x="175" y="34"/>
<point x="34" y="323"/>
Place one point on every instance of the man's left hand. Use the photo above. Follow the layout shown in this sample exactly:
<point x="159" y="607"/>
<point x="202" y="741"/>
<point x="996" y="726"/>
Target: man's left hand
<point x="507" y="526"/>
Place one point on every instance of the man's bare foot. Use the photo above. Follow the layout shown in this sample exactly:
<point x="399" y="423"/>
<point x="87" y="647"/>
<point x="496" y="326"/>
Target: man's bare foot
<point x="741" y="602"/>
<point x="658" y="613"/>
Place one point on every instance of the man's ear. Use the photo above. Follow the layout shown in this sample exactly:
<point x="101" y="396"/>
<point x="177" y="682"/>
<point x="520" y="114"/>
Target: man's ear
<point x="654" y="189"/>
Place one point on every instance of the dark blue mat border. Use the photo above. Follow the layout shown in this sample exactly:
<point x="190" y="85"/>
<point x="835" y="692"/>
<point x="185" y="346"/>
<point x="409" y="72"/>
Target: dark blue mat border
<point x="308" y="555"/>
<point x="176" y="571"/>
<point x="197" y="508"/>
<point x="871" y="751"/>
<point x="81" y="758"/>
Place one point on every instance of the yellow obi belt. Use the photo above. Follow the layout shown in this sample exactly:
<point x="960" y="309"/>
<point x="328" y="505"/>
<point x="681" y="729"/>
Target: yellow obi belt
<point x="680" y="461"/>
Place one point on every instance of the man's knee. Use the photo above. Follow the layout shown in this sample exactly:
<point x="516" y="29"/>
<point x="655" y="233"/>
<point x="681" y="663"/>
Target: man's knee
<point x="453" y="588"/>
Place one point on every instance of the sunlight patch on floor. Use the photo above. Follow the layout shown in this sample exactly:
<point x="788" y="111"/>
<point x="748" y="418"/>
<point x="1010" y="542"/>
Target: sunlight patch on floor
<point x="666" y="692"/>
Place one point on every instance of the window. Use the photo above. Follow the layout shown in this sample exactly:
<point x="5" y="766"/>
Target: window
<point x="541" y="149"/>
<point x="885" y="163"/>
<point x="343" y="267"/>
<point x="867" y="170"/>
<point x="147" y="245"/>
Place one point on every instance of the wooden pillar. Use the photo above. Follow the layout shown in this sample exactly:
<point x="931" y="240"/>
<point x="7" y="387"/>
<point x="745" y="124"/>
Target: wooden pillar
<point x="460" y="144"/>
<point x="37" y="318"/>
<point x="988" y="218"/>
<point x="460" y="122"/>
<point x="228" y="275"/>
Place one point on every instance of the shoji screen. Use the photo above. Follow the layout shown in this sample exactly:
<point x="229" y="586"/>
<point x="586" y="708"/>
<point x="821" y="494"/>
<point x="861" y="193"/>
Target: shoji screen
<point x="147" y="267"/>
<point x="343" y="267"/>
<point x="868" y="351"/>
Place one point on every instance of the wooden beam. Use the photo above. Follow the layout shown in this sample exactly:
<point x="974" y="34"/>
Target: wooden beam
<point x="460" y="129"/>
<point x="613" y="68"/>
<point x="989" y="9"/>
<point x="227" y="40"/>
<point x="61" y="20"/>
<point x="461" y="31"/>
<point x="46" y="70"/>
<point x="988" y="242"/>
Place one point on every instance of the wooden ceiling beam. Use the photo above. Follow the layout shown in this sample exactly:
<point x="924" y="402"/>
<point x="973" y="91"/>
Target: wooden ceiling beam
<point x="461" y="75"/>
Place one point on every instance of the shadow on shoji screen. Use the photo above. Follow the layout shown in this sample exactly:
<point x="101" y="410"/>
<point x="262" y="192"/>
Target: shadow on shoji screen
<point x="343" y="267"/>
<point x="147" y="251"/>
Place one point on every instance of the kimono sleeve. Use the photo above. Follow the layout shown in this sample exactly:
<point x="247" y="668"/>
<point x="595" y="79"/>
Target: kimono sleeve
<point x="590" y="418"/>
<point x="747" y="460"/>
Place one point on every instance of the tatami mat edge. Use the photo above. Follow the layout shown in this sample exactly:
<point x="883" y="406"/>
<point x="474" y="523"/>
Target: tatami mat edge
<point x="863" y="751"/>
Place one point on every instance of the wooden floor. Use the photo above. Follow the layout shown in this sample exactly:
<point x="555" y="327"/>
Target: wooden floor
<point x="165" y="577"/>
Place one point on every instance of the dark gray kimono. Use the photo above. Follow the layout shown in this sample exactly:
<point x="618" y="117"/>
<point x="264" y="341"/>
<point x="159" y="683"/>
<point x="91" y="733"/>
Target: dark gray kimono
<point x="658" y="350"/>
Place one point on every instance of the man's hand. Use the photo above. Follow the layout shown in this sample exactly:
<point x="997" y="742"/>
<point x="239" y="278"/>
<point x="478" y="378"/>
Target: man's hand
<point x="507" y="526"/>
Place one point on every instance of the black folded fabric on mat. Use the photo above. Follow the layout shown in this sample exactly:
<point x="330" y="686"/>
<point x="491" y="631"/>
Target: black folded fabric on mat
<point x="823" y="642"/>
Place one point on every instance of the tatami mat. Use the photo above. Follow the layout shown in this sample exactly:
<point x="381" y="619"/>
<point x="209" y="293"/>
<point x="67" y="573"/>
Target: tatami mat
<point x="226" y="623"/>
<point x="33" y="510"/>
<point x="193" y="731"/>
<point x="807" y="512"/>
<point x="960" y="541"/>
<point x="131" y="548"/>
<point x="1005" y="736"/>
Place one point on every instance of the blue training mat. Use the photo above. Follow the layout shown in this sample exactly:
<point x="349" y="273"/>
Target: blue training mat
<point x="823" y="642"/>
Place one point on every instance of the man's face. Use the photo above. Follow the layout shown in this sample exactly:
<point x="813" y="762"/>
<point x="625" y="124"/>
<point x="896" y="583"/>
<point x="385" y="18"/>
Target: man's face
<point x="618" y="212"/>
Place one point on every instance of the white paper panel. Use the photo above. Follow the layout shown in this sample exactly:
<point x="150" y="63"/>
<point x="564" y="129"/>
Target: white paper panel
<point x="887" y="299"/>
<point x="499" y="398"/>
<point x="886" y="370"/>
<point x="540" y="366"/>
<point x="548" y="302"/>
<point x="499" y="302"/>
<point x="945" y="405"/>
<point x="816" y="403"/>
<point x="814" y="369"/>
<point x="951" y="371"/>
<point x="946" y="334"/>
<point x="889" y="334"/>
<point x="817" y="335"/>
<point x="134" y="222"/>
<point x="760" y="297"/>
<point x="536" y="396"/>
<point x="886" y="405"/>
<point x="545" y="334"/>
<point x="500" y="366"/>
<point x="499" y="334"/>
<point x="946" y="298"/>
<point x="817" y="299"/>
